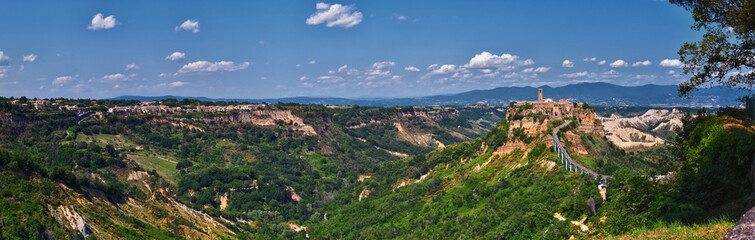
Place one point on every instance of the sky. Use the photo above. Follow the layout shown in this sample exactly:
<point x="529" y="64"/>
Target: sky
<point x="354" y="49"/>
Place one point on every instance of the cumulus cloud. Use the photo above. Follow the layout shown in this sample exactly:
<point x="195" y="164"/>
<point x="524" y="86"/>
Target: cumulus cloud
<point x="335" y="15"/>
<point x="176" y="56"/>
<point x="312" y="62"/>
<point x="117" y="77"/>
<point x="347" y="70"/>
<point x="30" y="58"/>
<point x="642" y="63"/>
<point x="189" y="25"/>
<point x="592" y="59"/>
<point x="3" y="72"/>
<point x="567" y="63"/>
<point x="443" y="69"/>
<point x="401" y="18"/>
<point x="303" y="78"/>
<point x="4" y="59"/>
<point x="412" y="68"/>
<point x="536" y="70"/>
<point x="504" y="61"/>
<point x="671" y="72"/>
<point x="205" y="66"/>
<point x="62" y="80"/>
<point x="132" y="66"/>
<point x="98" y="22"/>
<point x="602" y="62"/>
<point x="619" y="63"/>
<point x="670" y="63"/>
<point x="484" y="65"/>
<point x="380" y="68"/>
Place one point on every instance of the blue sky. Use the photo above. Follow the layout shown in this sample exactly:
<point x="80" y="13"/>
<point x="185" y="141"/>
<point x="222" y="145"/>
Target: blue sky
<point x="267" y="49"/>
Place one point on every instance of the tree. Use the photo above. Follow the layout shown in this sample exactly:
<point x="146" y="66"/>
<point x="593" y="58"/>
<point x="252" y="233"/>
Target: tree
<point x="725" y="54"/>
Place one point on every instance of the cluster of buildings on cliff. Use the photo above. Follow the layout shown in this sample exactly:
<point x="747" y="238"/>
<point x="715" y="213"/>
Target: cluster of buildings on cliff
<point x="143" y="107"/>
<point x="556" y="110"/>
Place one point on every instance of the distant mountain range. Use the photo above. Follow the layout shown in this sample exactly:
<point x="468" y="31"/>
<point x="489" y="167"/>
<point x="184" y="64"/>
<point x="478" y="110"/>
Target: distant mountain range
<point x="593" y="93"/>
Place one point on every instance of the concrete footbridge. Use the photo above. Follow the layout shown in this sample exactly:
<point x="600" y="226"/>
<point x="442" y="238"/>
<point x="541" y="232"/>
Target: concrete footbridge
<point x="569" y="164"/>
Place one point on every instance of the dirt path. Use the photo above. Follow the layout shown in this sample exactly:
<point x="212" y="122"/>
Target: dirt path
<point x="158" y="157"/>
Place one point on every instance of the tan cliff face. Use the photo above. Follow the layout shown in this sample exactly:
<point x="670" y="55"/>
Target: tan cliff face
<point x="630" y="132"/>
<point x="271" y="118"/>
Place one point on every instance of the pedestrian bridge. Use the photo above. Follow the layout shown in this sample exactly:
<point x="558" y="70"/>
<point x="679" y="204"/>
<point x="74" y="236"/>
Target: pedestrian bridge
<point x="569" y="164"/>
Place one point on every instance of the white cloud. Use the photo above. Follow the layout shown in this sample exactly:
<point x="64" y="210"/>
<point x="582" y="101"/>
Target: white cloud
<point x="189" y="25"/>
<point x="303" y="78"/>
<point x="175" y="56"/>
<point x="102" y="23"/>
<point x="536" y="70"/>
<point x="592" y="59"/>
<point x="504" y="61"/>
<point x="205" y="66"/>
<point x="132" y="66"/>
<point x="177" y="84"/>
<point x="671" y="63"/>
<point x="444" y="69"/>
<point x="567" y="63"/>
<point x="343" y="68"/>
<point x="602" y="62"/>
<point x="3" y="72"/>
<point x="610" y="74"/>
<point x="619" y="63"/>
<point x="332" y="72"/>
<point x="117" y="77"/>
<point x="383" y="65"/>
<point x="312" y="62"/>
<point x="30" y="58"/>
<point x="62" y="80"/>
<point x="401" y="18"/>
<point x="412" y="68"/>
<point x="298" y="65"/>
<point x="574" y="75"/>
<point x="379" y="68"/>
<point x="672" y="72"/>
<point x="4" y="59"/>
<point x="335" y="15"/>
<point x="642" y="63"/>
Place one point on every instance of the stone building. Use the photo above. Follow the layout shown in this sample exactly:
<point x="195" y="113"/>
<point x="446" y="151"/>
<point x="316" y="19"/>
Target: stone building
<point x="556" y="110"/>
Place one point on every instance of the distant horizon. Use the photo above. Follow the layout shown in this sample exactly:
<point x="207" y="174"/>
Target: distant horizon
<point x="352" y="98"/>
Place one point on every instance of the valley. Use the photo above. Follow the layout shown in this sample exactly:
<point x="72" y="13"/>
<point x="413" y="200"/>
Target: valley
<point x="299" y="171"/>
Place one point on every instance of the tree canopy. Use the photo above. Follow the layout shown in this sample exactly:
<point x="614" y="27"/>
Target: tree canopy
<point x="725" y="54"/>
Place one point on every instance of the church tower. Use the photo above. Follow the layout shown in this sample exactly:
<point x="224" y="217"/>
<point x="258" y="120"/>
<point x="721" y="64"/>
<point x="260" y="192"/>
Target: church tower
<point x="539" y="94"/>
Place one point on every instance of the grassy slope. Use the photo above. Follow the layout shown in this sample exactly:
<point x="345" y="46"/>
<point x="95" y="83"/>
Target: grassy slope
<point x="510" y="196"/>
<point x="715" y="229"/>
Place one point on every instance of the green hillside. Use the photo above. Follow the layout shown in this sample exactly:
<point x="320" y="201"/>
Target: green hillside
<point x="349" y="172"/>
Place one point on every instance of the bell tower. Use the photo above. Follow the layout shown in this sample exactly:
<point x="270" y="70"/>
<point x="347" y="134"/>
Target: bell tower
<point x="539" y="94"/>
